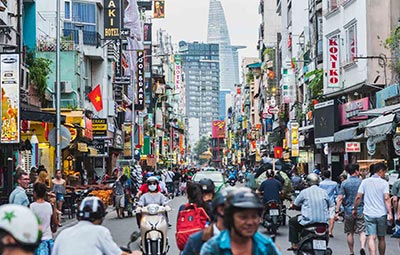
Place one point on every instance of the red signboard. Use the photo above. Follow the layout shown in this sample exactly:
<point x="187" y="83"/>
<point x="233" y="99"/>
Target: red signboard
<point x="349" y="111"/>
<point x="352" y="147"/>
<point x="218" y="129"/>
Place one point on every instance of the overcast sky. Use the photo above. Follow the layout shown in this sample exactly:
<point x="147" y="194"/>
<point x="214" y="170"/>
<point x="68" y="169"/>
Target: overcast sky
<point x="188" y="19"/>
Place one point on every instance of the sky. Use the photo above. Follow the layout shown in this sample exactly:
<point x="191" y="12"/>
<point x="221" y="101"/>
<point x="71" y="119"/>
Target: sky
<point x="188" y="19"/>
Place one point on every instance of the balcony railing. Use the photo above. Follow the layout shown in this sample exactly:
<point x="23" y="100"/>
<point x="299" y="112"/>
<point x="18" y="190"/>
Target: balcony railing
<point x="89" y="37"/>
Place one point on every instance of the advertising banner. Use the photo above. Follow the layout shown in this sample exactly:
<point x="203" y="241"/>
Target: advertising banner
<point x="99" y="127"/>
<point x="325" y="122"/>
<point x="112" y="19"/>
<point x="140" y="82"/>
<point x="349" y="111"/>
<point x="218" y="129"/>
<point x="295" y="138"/>
<point x="10" y="98"/>
<point x="127" y="128"/>
<point x="159" y="9"/>
<point x="147" y="32"/>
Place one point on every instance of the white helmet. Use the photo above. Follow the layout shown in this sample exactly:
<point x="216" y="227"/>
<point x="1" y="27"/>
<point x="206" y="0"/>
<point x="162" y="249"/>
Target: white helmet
<point x="20" y="222"/>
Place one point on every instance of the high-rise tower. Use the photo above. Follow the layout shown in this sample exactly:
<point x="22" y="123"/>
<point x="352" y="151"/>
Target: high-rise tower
<point x="218" y="33"/>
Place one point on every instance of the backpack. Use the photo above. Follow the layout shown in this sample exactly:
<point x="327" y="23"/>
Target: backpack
<point x="190" y="220"/>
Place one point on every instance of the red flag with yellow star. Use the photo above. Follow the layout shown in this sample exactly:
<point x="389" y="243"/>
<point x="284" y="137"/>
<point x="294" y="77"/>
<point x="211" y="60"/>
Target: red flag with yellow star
<point x="95" y="98"/>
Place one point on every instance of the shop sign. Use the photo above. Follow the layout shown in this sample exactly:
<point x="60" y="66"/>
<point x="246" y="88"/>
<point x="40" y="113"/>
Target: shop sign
<point x="294" y="126"/>
<point x="325" y="122"/>
<point x="178" y="73"/>
<point x="218" y="129"/>
<point x="386" y="93"/>
<point x="118" y="142"/>
<point x="140" y="81"/>
<point x="333" y="62"/>
<point x="87" y="128"/>
<point x="349" y="111"/>
<point x="9" y="71"/>
<point x="351" y="147"/>
<point x="99" y="127"/>
<point x="268" y="125"/>
<point x="371" y="146"/>
<point x="112" y="19"/>
<point x="396" y="144"/>
<point x="99" y="145"/>
<point x="82" y="147"/>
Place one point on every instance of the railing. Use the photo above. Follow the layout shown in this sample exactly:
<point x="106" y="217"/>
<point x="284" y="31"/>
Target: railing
<point x="89" y="37"/>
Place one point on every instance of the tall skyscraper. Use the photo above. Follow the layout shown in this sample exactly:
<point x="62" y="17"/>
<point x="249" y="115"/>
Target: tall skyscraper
<point x="200" y="64"/>
<point x="218" y="33"/>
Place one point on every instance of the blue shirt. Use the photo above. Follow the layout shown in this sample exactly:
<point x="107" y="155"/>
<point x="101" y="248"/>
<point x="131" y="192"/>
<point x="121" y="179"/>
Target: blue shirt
<point x="314" y="203"/>
<point x="221" y="245"/>
<point x="348" y="190"/>
<point x="331" y="187"/>
<point x="270" y="188"/>
<point x="19" y="197"/>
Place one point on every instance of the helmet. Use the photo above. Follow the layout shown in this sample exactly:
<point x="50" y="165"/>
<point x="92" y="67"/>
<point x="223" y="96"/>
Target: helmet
<point x="91" y="209"/>
<point x="207" y="185"/>
<point x="152" y="179"/>
<point x="20" y="222"/>
<point x="270" y="173"/>
<point x="240" y="199"/>
<point x="317" y="171"/>
<point x="312" y="179"/>
<point x="220" y="198"/>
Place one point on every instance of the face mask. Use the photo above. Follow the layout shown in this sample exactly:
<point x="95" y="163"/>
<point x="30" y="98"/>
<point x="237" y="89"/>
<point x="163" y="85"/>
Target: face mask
<point x="152" y="187"/>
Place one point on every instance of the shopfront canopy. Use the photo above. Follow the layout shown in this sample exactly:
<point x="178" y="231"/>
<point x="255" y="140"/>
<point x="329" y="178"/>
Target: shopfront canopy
<point x="382" y="125"/>
<point x="346" y="134"/>
<point x="40" y="116"/>
<point x="381" y="111"/>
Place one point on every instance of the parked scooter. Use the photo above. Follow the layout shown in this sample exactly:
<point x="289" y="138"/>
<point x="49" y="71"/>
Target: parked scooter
<point x="273" y="216"/>
<point x="153" y="229"/>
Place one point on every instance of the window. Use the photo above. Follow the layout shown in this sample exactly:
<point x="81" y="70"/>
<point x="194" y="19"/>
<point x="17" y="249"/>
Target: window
<point x="67" y="6"/>
<point x="351" y="43"/>
<point x="84" y="14"/>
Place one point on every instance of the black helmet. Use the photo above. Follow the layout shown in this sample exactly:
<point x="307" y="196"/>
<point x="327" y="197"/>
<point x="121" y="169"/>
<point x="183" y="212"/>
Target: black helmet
<point x="238" y="200"/>
<point x="91" y="209"/>
<point x="220" y="198"/>
<point x="207" y="185"/>
<point x="270" y="173"/>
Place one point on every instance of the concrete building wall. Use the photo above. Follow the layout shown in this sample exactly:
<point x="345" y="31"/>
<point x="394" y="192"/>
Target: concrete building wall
<point x="272" y="23"/>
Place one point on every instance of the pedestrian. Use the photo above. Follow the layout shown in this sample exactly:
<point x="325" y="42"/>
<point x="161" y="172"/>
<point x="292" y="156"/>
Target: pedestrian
<point x="43" y="177"/>
<point x="347" y="194"/>
<point x="196" y="241"/>
<point x="332" y="188"/>
<point x="242" y="214"/>
<point x="59" y="189"/>
<point x="377" y="207"/>
<point x="169" y="182"/>
<point x="47" y="213"/>
<point x="18" y="195"/>
<point x="314" y="203"/>
<point x="177" y="181"/>
<point x="119" y="195"/>
<point x="87" y="236"/>
<point x="19" y="230"/>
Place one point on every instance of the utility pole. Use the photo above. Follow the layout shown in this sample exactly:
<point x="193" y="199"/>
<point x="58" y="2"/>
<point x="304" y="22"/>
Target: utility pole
<point x="58" y="89"/>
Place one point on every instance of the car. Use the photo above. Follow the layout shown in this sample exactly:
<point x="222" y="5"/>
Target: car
<point x="215" y="176"/>
<point x="209" y="168"/>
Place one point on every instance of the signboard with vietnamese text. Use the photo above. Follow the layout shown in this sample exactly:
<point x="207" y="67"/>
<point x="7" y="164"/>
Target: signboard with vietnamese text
<point x="9" y="71"/>
<point x="294" y="126"/>
<point x="349" y="111"/>
<point x="112" y="19"/>
<point x="99" y="127"/>
<point x="218" y="129"/>
<point x="351" y="147"/>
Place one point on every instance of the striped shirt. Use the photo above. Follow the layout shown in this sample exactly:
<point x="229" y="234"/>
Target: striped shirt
<point x="314" y="203"/>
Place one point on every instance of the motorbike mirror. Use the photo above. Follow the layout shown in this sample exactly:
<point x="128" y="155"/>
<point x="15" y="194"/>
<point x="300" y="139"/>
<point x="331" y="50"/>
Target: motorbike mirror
<point x="124" y="249"/>
<point x="134" y="236"/>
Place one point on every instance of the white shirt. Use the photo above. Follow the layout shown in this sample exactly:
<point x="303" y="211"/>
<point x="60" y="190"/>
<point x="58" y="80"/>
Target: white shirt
<point x="85" y="238"/>
<point x="374" y="189"/>
<point x="44" y="212"/>
<point x="168" y="176"/>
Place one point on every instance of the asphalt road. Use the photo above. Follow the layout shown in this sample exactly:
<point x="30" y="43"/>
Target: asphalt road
<point x="122" y="228"/>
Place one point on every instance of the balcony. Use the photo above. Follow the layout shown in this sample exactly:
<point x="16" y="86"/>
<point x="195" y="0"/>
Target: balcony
<point x="89" y="38"/>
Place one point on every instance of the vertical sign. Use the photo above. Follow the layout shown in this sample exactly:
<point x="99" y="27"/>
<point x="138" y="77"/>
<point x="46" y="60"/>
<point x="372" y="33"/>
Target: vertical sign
<point x="178" y="73"/>
<point x="159" y="11"/>
<point x="295" y="138"/>
<point x="333" y="62"/>
<point x="9" y="98"/>
<point x="140" y="81"/>
<point x="147" y="32"/>
<point x="112" y="19"/>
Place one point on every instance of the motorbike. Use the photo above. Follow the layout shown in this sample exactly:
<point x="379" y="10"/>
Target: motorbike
<point x="78" y="197"/>
<point x="232" y="182"/>
<point x="153" y="229"/>
<point x="273" y="216"/>
<point x="314" y="240"/>
<point x="241" y="177"/>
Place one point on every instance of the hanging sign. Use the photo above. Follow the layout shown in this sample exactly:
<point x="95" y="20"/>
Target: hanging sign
<point x="333" y="62"/>
<point x="351" y="147"/>
<point x="140" y="81"/>
<point x="112" y="19"/>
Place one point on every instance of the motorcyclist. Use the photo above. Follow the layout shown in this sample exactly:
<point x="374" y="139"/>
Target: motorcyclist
<point x="270" y="188"/>
<point x="314" y="204"/>
<point x="242" y="213"/>
<point x="208" y="191"/>
<point x="152" y="197"/>
<point x="87" y="236"/>
<point x="19" y="230"/>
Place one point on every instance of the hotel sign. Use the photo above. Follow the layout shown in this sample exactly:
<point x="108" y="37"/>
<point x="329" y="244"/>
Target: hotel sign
<point x="112" y="19"/>
<point x="333" y="62"/>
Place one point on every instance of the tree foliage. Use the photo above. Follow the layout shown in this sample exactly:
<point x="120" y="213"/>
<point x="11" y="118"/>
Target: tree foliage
<point x="39" y="70"/>
<point x="201" y="146"/>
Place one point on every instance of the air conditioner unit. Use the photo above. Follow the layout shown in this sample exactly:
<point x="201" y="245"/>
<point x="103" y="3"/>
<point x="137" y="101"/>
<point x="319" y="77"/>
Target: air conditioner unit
<point x="66" y="87"/>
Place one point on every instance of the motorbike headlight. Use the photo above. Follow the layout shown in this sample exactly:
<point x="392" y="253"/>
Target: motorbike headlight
<point x="153" y="209"/>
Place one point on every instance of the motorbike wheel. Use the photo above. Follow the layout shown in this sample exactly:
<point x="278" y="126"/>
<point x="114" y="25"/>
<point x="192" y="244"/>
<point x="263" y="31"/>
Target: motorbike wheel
<point x="273" y="230"/>
<point x="328" y="251"/>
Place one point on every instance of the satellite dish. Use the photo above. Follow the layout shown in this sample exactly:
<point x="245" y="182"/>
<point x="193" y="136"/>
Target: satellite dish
<point x="65" y="137"/>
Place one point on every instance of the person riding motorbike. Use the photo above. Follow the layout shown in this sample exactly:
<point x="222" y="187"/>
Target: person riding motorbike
<point x="208" y="191"/>
<point x="20" y="232"/>
<point x="152" y="197"/>
<point x="242" y="213"/>
<point x="88" y="236"/>
<point x="270" y="188"/>
<point x="309" y="201"/>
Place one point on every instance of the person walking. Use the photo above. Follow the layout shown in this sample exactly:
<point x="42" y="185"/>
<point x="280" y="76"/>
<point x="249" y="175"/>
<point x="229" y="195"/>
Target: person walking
<point x="18" y="195"/>
<point x="47" y="214"/>
<point x="119" y="195"/>
<point x="347" y="194"/>
<point x="332" y="188"/>
<point x="58" y="186"/>
<point x="377" y="207"/>
<point x="177" y="181"/>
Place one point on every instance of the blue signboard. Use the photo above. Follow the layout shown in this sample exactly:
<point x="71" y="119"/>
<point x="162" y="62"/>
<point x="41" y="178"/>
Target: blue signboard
<point x="388" y="92"/>
<point x="268" y="125"/>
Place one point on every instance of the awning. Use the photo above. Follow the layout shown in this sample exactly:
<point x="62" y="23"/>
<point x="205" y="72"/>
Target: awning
<point x="382" y="125"/>
<point x="345" y="134"/>
<point x="254" y="65"/>
<point x="40" y="116"/>
<point x="379" y="111"/>
<point x="356" y="87"/>
<point x="305" y="128"/>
